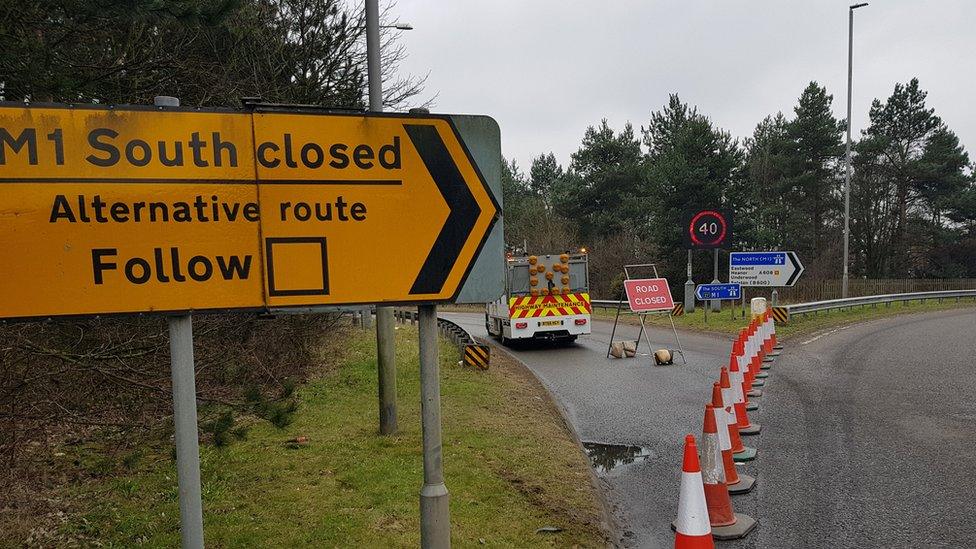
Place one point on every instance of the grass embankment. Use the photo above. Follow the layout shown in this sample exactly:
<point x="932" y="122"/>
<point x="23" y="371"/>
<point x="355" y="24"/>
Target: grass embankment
<point x="511" y="467"/>
<point x="723" y="322"/>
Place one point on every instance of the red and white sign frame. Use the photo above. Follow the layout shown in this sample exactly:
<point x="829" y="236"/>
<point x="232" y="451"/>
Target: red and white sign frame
<point x="649" y="294"/>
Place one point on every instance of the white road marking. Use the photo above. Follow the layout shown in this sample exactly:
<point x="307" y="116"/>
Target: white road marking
<point x="812" y="339"/>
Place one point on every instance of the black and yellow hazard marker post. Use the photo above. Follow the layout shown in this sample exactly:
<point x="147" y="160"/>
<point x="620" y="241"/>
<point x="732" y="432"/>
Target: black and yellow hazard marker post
<point x="679" y="309"/>
<point x="477" y="356"/>
<point x="781" y="314"/>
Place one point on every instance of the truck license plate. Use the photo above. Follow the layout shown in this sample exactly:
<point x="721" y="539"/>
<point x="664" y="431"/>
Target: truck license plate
<point x="551" y="323"/>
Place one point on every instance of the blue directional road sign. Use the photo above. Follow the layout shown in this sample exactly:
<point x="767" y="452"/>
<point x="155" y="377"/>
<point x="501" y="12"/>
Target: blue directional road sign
<point x="764" y="268"/>
<point x="706" y="292"/>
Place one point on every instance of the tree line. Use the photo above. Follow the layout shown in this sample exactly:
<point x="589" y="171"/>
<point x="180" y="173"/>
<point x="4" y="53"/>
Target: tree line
<point x="79" y="375"/>
<point x="206" y="52"/>
<point x="913" y="192"/>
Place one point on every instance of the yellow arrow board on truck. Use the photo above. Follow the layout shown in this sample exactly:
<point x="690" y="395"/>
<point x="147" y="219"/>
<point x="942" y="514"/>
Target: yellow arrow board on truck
<point x="120" y="211"/>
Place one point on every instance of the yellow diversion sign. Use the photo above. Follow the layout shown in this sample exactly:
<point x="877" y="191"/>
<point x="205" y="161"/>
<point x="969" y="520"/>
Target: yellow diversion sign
<point x="121" y="211"/>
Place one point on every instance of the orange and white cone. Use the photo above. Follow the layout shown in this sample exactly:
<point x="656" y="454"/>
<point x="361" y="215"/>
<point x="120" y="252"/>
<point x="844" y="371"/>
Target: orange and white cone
<point x="767" y="333"/>
<point x="738" y="382"/>
<point x="691" y="528"/>
<point x="740" y="452"/>
<point x="724" y="521"/>
<point x="713" y="474"/>
<point x="755" y="356"/>
<point x="742" y="350"/>
<point x="737" y="483"/>
<point x="729" y="400"/>
<point x="769" y="341"/>
<point x="765" y="346"/>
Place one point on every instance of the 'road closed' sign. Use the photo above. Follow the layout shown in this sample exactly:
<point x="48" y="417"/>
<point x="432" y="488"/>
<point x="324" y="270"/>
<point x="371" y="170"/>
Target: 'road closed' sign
<point x="648" y="294"/>
<point x="116" y="211"/>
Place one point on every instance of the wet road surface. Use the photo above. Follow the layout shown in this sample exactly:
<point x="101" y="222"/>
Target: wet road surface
<point x="869" y="431"/>
<point x="630" y="402"/>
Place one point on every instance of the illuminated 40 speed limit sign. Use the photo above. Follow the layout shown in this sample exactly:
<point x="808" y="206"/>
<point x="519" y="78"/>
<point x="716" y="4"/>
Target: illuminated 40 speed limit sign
<point x="707" y="229"/>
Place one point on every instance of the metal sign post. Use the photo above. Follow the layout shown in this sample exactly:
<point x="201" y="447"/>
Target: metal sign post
<point x="689" y="289"/>
<point x="185" y="415"/>
<point x="185" y="427"/>
<point x="385" y="340"/>
<point x="715" y="304"/>
<point x="435" y="519"/>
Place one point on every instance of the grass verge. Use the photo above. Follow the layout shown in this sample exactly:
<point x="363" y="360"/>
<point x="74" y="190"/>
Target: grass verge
<point x="511" y="467"/>
<point x="723" y="322"/>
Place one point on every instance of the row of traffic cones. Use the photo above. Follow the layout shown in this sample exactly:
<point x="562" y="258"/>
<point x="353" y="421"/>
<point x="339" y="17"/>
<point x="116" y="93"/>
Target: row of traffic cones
<point x="709" y="479"/>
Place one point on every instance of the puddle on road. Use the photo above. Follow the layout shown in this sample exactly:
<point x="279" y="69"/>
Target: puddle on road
<point x="605" y="457"/>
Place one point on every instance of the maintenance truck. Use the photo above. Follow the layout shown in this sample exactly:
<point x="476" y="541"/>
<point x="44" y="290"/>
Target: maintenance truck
<point x="546" y="297"/>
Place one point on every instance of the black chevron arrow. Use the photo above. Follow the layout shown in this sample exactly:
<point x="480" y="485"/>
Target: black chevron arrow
<point x="797" y="268"/>
<point x="462" y="204"/>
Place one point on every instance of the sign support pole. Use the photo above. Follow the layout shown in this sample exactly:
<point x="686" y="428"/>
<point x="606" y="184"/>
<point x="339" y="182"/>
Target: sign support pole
<point x="185" y="425"/>
<point x="689" y="289"/>
<point x="715" y="304"/>
<point x="435" y="520"/>
<point x="185" y="415"/>
<point x="385" y="340"/>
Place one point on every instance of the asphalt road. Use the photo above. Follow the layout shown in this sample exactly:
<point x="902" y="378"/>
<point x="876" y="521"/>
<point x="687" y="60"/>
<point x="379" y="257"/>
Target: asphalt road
<point x="868" y="438"/>
<point x="868" y="431"/>
<point x="632" y="402"/>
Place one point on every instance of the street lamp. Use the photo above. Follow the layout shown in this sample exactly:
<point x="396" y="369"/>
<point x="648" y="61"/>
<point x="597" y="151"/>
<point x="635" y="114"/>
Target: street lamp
<point x="847" y="177"/>
<point x="385" y="352"/>
<point x="374" y="72"/>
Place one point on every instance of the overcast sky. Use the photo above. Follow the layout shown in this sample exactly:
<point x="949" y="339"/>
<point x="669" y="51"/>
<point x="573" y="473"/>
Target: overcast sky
<point x="545" y="70"/>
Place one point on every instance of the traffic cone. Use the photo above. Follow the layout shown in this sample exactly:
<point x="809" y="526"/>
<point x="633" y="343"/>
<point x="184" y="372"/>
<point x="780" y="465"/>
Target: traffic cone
<point x="713" y="474"/>
<point x="740" y="452"/>
<point x="724" y="521"/>
<point x="738" y="382"/>
<point x="691" y="528"/>
<point x="742" y="350"/>
<point x="768" y="337"/>
<point x="735" y="482"/>
<point x="754" y="353"/>
<point x="746" y="427"/>
<point x="765" y="347"/>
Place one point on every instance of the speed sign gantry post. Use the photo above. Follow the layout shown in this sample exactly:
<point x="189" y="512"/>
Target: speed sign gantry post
<point x="705" y="229"/>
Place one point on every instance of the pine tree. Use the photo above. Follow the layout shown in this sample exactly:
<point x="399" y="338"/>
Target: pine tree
<point x="545" y="176"/>
<point x="206" y="52"/>
<point x="901" y="126"/>
<point x="764" y="214"/>
<point x="815" y="150"/>
<point x="691" y="164"/>
<point x="604" y="179"/>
